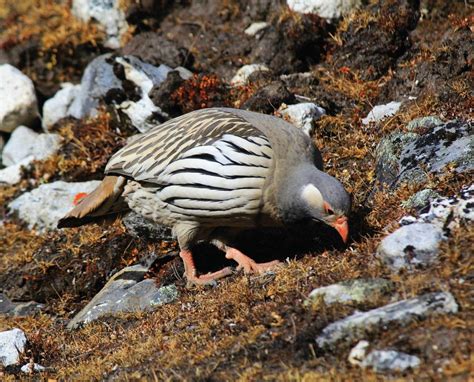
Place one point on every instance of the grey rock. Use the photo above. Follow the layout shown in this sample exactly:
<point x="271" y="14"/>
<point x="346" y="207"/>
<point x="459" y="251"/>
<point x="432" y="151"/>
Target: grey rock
<point x="42" y="207"/>
<point x="12" y="174"/>
<point x="390" y="361"/>
<point x="421" y="199"/>
<point x="29" y="308"/>
<point x="256" y="28"/>
<point x="6" y="306"/>
<point x="108" y="14"/>
<point x="58" y="106"/>
<point x="25" y="143"/>
<point x="358" y="352"/>
<point x="18" y="104"/>
<point x="423" y="123"/>
<point x="12" y="344"/>
<point x="360" y="324"/>
<point x="351" y="292"/>
<point x="411" y="246"/>
<point x="381" y="112"/>
<point x="126" y="291"/>
<point x="145" y="229"/>
<point x="303" y="115"/>
<point x="329" y="9"/>
<point x="30" y="368"/>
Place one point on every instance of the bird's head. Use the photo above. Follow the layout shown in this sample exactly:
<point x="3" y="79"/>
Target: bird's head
<point x="317" y="196"/>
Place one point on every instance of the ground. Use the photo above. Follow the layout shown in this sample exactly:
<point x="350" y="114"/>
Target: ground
<point x="247" y="327"/>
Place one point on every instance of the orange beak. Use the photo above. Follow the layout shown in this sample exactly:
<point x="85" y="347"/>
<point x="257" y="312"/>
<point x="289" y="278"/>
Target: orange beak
<point x="342" y="227"/>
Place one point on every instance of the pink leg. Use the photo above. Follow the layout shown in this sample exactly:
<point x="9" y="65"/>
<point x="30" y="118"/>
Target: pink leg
<point x="247" y="264"/>
<point x="190" y="271"/>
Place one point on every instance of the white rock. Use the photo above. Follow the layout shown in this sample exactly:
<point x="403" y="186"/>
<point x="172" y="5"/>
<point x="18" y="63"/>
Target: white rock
<point x="12" y="344"/>
<point x="57" y="107"/>
<point x="380" y="112"/>
<point x="256" y="27"/>
<point x="328" y="9"/>
<point x="243" y="74"/>
<point x="12" y="174"/>
<point x="42" y="207"/>
<point x="25" y="143"/>
<point x="18" y="104"/>
<point x="139" y="112"/>
<point x="411" y="246"/>
<point x="107" y="13"/>
<point x="29" y="368"/>
<point x="358" y="352"/>
<point x="303" y="115"/>
<point x="390" y="361"/>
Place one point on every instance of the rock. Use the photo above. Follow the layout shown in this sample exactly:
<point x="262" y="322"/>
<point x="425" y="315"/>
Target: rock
<point x="19" y="105"/>
<point x="360" y="324"/>
<point x="381" y="112"/>
<point x="42" y="207"/>
<point x="423" y="123"/>
<point x="358" y="353"/>
<point x="421" y="199"/>
<point x="23" y="309"/>
<point x="25" y="143"/>
<point x="124" y="83"/>
<point x="161" y="95"/>
<point x="30" y="368"/>
<point x="447" y="213"/>
<point x="12" y="344"/>
<point x="427" y="146"/>
<point x="390" y="361"/>
<point x="126" y="291"/>
<point x="6" y="306"/>
<point x="243" y="74"/>
<point x="57" y="107"/>
<point x="303" y="115"/>
<point x="255" y="28"/>
<point x="351" y="292"/>
<point x="107" y="13"/>
<point x="411" y="246"/>
<point x="12" y="174"/>
<point x="268" y="98"/>
<point x="328" y="9"/>
<point x="145" y="229"/>
<point x="156" y="49"/>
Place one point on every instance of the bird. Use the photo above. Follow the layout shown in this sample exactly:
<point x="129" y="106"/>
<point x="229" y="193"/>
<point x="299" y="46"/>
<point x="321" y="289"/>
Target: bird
<point x="214" y="172"/>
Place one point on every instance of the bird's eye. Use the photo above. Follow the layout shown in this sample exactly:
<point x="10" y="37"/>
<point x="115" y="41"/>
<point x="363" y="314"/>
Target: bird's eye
<point x="328" y="209"/>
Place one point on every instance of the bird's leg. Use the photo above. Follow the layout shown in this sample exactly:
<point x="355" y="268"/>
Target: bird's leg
<point x="190" y="271"/>
<point x="247" y="264"/>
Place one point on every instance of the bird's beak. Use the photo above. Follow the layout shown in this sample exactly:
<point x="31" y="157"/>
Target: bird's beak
<point x="342" y="227"/>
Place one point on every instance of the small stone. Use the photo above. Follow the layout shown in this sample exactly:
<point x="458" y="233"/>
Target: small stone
<point x="381" y="112"/>
<point x="12" y="344"/>
<point x="18" y="104"/>
<point x="25" y="143"/>
<point x="42" y="207"/>
<point x="351" y="292"/>
<point x="243" y="74"/>
<point x="24" y="309"/>
<point x="328" y="9"/>
<point x="411" y="246"/>
<point x="30" y="368"/>
<point x="12" y="174"/>
<point x="390" y="361"/>
<point x="303" y="115"/>
<point x="107" y="13"/>
<point x="360" y="324"/>
<point x="424" y="123"/>
<point x="421" y="199"/>
<point x="256" y="28"/>
<point x="145" y="229"/>
<point x="58" y="106"/>
<point x="126" y="291"/>
<point x="358" y="353"/>
<point x="6" y="306"/>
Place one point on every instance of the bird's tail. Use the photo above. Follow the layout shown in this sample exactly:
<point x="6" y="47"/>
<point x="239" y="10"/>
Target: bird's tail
<point x="104" y="200"/>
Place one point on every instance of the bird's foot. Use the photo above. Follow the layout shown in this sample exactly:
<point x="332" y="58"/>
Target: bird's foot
<point x="193" y="278"/>
<point x="249" y="265"/>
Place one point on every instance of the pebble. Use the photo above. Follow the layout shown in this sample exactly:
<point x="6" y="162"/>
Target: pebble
<point x="302" y="115"/>
<point x="243" y="74"/>
<point x="381" y="112"/>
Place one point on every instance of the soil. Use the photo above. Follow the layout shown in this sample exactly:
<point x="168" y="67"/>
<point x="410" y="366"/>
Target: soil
<point x="247" y="327"/>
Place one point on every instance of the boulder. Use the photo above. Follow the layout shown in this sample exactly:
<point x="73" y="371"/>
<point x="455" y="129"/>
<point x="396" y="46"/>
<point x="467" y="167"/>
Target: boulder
<point x="360" y="324"/>
<point x="125" y="292"/>
<point x="42" y="207"/>
<point x="12" y="344"/>
<point x="19" y="104"/>
<point x="108" y="13"/>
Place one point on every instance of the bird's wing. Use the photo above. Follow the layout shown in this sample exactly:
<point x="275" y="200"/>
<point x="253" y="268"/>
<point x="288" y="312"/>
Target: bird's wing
<point x="209" y="162"/>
